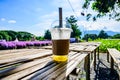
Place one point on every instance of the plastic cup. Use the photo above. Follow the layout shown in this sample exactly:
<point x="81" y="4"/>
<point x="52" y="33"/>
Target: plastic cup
<point x="60" y="43"/>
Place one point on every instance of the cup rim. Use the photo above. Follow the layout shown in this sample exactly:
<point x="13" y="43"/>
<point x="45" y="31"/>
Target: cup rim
<point x="68" y="29"/>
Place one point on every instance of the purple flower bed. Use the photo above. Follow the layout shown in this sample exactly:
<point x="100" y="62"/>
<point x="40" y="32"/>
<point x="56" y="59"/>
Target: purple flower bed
<point x="3" y="45"/>
<point x="37" y="43"/>
<point x="42" y="43"/>
<point x="22" y="44"/>
<point x="29" y="43"/>
<point x="11" y="45"/>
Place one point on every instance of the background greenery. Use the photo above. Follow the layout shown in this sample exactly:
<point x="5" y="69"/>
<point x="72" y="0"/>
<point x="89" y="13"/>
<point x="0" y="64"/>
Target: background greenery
<point x="108" y="43"/>
<point x="10" y="35"/>
<point x="109" y="8"/>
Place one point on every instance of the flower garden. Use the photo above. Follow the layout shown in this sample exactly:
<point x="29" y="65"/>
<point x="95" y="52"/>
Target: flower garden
<point x="22" y="44"/>
<point x="25" y="44"/>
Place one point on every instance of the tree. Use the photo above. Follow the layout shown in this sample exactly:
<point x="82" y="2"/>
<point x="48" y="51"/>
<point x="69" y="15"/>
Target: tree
<point x="24" y="36"/>
<point x="103" y="34"/>
<point x="116" y="36"/>
<point x="47" y="35"/>
<point x="73" y="22"/>
<point x="110" y="8"/>
<point x="1" y="37"/>
<point x="40" y="38"/>
<point x="12" y="34"/>
<point x="90" y="36"/>
<point x="5" y="35"/>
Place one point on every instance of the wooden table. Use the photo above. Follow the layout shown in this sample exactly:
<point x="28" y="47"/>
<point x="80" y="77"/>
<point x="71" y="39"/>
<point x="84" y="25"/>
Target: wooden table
<point x="115" y="58"/>
<point x="37" y="64"/>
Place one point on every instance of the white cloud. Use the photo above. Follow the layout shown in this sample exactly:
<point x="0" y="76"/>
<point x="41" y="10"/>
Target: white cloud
<point x="39" y="28"/>
<point x="12" y="21"/>
<point x="67" y="10"/>
<point x="45" y="23"/>
<point x="108" y="25"/>
<point x="50" y="19"/>
<point x="3" y="19"/>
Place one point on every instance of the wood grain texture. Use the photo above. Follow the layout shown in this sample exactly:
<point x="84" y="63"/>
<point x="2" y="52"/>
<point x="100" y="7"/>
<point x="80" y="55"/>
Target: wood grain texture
<point x="37" y="64"/>
<point x="24" y="56"/>
<point x="115" y="54"/>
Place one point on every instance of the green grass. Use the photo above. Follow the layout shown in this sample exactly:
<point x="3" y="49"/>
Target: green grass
<point x="108" y="43"/>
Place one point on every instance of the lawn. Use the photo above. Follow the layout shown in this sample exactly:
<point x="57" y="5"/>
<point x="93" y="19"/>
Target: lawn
<point x="108" y="43"/>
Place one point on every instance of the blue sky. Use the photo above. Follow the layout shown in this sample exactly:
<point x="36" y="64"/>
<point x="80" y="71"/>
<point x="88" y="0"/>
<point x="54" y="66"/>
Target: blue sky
<point x="36" y="16"/>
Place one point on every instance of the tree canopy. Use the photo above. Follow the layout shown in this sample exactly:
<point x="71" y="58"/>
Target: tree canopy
<point x="103" y="34"/>
<point x="73" y="22"/>
<point x="116" y="36"/>
<point x="90" y="36"/>
<point x="23" y="36"/>
<point x="110" y="8"/>
<point x="7" y="35"/>
<point x="10" y="35"/>
<point x="47" y="35"/>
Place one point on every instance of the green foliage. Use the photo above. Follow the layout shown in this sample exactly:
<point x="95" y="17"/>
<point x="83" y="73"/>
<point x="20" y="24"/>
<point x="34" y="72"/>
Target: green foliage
<point x="4" y="35"/>
<point x="88" y="16"/>
<point x="40" y="38"/>
<point x="12" y="35"/>
<point x="90" y="37"/>
<point x="73" y="22"/>
<point x="1" y="37"/>
<point x="103" y="34"/>
<point x="116" y="36"/>
<point x="108" y="43"/>
<point x="104" y="7"/>
<point x="23" y="36"/>
<point x="47" y="35"/>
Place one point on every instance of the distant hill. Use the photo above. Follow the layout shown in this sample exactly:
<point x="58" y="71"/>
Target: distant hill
<point x="10" y="35"/>
<point x="111" y="33"/>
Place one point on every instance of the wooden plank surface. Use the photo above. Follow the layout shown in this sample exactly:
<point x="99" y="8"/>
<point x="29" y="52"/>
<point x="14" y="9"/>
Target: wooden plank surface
<point x="12" y="51"/>
<point x="115" y="54"/>
<point x="83" y="48"/>
<point x="40" y="74"/>
<point x="71" y="68"/>
<point x="87" y="43"/>
<point x="86" y="47"/>
<point x="25" y="72"/>
<point x="63" y="71"/>
<point x="42" y="66"/>
<point x="23" y="66"/>
<point x="28" y="70"/>
<point x="46" y="47"/>
<point x="24" y="56"/>
<point x="22" y="52"/>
